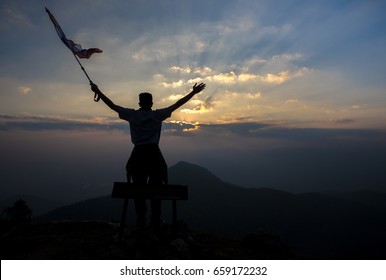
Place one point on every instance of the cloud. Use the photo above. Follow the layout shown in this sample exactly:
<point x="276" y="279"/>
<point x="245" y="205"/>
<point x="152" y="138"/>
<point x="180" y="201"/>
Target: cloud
<point x="253" y="95"/>
<point x="284" y="76"/>
<point x="177" y="84"/>
<point x="203" y="71"/>
<point x="149" y="55"/>
<point x="15" y="17"/>
<point x="227" y="78"/>
<point x="276" y="78"/>
<point x="24" y="89"/>
<point x="291" y="101"/>
<point x="343" y="121"/>
<point x="231" y="78"/>
<point x="154" y="46"/>
<point x="178" y="127"/>
<point x="185" y="69"/>
<point x="358" y="106"/>
<point x="43" y="123"/>
<point x="247" y="77"/>
<point x="175" y="97"/>
<point x="40" y="123"/>
<point x="203" y="107"/>
<point x="171" y="127"/>
<point x="270" y="78"/>
<point x="284" y="60"/>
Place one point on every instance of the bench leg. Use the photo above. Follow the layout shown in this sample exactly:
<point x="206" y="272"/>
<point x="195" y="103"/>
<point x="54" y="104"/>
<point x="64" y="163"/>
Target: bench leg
<point x="123" y="218"/>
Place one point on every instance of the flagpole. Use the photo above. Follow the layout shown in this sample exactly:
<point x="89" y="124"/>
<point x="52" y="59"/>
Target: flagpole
<point x="96" y="97"/>
<point x="81" y="66"/>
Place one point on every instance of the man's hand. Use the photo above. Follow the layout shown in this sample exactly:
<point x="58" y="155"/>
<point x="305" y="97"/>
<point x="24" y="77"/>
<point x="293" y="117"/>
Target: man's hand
<point x="198" y="88"/>
<point x="186" y="98"/>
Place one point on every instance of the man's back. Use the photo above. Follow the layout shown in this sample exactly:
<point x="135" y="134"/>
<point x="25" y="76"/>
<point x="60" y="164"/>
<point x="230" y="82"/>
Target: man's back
<point x="145" y="125"/>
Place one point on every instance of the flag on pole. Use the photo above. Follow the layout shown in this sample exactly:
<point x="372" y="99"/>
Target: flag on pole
<point x="74" y="47"/>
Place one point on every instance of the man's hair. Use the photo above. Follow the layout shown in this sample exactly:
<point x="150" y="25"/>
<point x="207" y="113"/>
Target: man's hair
<point x="145" y="99"/>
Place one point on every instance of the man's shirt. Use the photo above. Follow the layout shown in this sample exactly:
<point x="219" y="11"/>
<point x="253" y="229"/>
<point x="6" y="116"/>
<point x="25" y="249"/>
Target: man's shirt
<point x="145" y="126"/>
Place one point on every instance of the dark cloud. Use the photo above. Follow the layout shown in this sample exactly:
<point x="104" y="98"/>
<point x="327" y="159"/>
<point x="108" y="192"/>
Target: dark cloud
<point x="38" y="123"/>
<point x="70" y="154"/>
<point x="244" y="129"/>
<point x="205" y="105"/>
<point x="249" y="129"/>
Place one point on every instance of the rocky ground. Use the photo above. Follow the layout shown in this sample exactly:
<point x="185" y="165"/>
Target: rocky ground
<point x="96" y="240"/>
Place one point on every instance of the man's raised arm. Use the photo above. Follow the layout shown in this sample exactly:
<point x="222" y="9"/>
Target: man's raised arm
<point x="104" y="98"/>
<point x="186" y="98"/>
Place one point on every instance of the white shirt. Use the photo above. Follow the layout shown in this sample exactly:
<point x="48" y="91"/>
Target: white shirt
<point x="145" y="126"/>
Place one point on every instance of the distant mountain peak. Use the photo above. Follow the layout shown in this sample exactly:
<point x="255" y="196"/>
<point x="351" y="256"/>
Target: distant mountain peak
<point x="185" y="165"/>
<point x="184" y="172"/>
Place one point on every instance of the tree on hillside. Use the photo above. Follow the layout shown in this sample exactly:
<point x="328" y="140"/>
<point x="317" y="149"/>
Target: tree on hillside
<point x="19" y="212"/>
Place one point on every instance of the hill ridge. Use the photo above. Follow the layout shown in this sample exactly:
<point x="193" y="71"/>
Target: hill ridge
<point x="315" y="224"/>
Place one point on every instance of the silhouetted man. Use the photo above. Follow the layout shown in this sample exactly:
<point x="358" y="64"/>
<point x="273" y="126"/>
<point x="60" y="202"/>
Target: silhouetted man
<point x="146" y="164"/>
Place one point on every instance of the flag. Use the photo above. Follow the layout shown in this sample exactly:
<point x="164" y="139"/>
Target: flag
<point x="74" y="47"/>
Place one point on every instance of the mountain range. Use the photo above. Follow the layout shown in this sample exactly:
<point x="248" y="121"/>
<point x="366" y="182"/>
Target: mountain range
<point x="348" y="225"/>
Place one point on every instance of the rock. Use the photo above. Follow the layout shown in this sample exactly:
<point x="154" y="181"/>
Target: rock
<point x="181" y="249"/>
<point x="264" y="242"/>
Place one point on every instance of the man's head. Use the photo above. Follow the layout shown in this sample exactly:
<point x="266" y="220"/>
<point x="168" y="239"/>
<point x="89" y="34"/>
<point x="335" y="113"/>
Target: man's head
<point x="145" y="100"/>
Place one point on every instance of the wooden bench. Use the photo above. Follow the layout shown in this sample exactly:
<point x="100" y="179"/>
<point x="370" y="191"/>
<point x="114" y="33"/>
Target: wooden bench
<point x="164" y="192"/>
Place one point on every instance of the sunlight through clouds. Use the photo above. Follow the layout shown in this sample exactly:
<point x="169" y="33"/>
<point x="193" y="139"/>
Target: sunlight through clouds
<point x="231" y="77"/>
<point x="163" y="49"/>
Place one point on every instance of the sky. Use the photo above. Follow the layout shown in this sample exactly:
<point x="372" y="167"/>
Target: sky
<point x="295" y="91"/>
